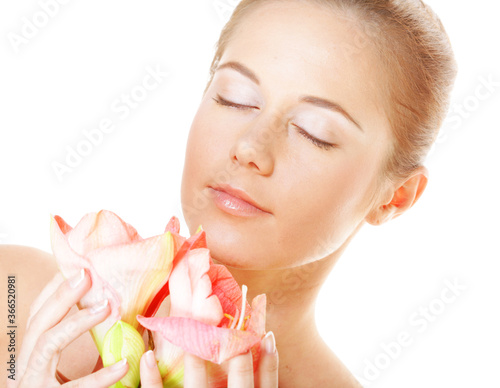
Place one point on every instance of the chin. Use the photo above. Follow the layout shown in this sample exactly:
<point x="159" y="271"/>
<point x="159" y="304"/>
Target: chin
<point x="232" y="252"/>
<point x="233" y="241"/>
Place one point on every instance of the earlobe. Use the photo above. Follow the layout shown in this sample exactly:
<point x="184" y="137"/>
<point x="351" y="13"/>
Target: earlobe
<point x="402" y="199"/>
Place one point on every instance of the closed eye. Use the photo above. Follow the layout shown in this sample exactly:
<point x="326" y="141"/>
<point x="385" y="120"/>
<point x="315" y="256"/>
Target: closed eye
<point x="317" y="142"/>
<point x="221" y="101"/>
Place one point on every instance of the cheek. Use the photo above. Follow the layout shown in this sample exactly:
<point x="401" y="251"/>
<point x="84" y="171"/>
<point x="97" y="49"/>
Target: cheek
<point x="323" y="207"/>
<point x="194" y="170"/>
<point x="206" y="161"/>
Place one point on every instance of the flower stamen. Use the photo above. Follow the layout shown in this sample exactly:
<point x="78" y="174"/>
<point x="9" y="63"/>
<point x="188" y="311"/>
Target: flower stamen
<point x="235" y="319"/>
<point x="241" y="318"/>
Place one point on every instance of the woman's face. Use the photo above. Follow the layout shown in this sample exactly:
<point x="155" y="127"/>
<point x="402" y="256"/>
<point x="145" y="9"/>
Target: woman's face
<point x="296" y="73"/>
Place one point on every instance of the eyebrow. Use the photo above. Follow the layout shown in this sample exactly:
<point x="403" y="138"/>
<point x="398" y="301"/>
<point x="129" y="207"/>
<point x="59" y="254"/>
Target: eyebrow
<point x="317" y="101"/>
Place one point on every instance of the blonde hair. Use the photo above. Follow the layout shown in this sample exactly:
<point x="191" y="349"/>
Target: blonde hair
<point x="414" y="48"/>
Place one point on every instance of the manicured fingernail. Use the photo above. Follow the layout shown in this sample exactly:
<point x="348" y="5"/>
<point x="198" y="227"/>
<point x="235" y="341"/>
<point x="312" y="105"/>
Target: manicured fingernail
<point x="99" y="307"/>
<point x="150" y="359"/>
<point x="269" y="343"/>
<point x="119" y="365"/>
<point x="76" y="280"/>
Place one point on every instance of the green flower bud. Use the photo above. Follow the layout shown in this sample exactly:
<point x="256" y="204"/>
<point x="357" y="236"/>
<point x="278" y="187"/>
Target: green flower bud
<point x="124" y="341"/>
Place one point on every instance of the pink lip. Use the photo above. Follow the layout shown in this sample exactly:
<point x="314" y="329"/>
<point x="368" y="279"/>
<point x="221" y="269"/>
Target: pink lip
<point x="235" y="201"/>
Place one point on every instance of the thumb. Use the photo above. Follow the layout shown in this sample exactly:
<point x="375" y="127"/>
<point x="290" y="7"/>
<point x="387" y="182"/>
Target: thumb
<point x="150" y="374"/>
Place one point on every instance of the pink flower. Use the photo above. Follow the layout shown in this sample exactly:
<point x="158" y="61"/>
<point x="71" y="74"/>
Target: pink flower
<point x="209" y="316"/>
<point x="126" y="269"/>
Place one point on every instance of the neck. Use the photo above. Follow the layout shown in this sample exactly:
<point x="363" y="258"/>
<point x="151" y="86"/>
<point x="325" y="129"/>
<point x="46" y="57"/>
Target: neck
<point x="291" y="297"/>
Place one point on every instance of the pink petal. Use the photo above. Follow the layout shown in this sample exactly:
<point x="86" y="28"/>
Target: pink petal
<point x="191" y="289"/>
<point x="171" y="364"/>
<point x="129" y="275"/>
<point x="137" y="271"/>
<point x="257" y="322"/>
<point x="182" y="246"/>
<point x="197" y="240"/>
<point x="69" y="263"/>
<point x="65" y="228"/>
<point x="173" y="225"/>
<point x="96" y="230"/>
<point x="170" y="357"/>
<point x="227" y="291"/>
<point x="215" y="344"/>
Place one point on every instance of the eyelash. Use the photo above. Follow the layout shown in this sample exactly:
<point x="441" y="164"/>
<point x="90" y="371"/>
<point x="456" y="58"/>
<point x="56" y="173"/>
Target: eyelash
<point x="221" y="101"/>
<point x="319" y="143"/>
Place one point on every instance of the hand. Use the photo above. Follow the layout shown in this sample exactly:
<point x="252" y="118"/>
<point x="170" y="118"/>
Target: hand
<point x="240" y="373"/>
<point x="48" y="332"/>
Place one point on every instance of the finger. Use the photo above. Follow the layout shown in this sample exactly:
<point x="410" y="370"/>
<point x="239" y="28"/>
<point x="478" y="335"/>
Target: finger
<point x="47" y="291"/>
<point x="267" y="372"/>
<point x="195" y="372"/>
<point x="45" y="355"/>
<point x="150" y="374"/>
<point x="50" y="313"/>
<point x="103" y="378"/>
<point x="60" y="302"/>
<point x="240" y="372"/>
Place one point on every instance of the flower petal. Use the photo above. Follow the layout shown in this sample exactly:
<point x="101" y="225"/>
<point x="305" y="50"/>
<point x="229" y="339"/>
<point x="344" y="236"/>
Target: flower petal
<point x="124" y="341"/>
<point x="69" y="263"/>
<point x="182" y="246"/>
<point x="96" y="230"/>
<point x="170" y="361"/>
<point x="227" y="291"/>
<point x="191" y="289"/>
<point x="173" y="226"/>
<point x="136" y="271"/>
<point x="215" y="344"/>
<point x="128" y="275"/>
<point x="257" y="322"/>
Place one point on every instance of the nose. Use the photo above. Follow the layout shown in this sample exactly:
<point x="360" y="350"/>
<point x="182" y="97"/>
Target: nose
<point x="255" y="148"/>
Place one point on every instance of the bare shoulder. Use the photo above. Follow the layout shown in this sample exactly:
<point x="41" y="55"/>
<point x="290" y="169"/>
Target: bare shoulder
<point x="27" y="270"/>
<point x="32" y="269"/>
<point x="20" y="259"/>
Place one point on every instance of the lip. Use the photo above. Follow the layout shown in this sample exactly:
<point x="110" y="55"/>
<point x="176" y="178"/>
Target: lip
<point x="235" y="201"/>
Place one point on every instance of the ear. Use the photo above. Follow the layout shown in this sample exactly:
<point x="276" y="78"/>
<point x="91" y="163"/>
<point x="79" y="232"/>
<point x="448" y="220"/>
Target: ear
<point x="401" y="199"/>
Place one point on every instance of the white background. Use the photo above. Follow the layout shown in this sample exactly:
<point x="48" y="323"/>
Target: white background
<point x="64" y="80"/>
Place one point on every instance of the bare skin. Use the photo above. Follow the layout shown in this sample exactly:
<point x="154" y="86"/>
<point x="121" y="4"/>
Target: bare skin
<point x="35" y="268"/>
<point x="316" y="198"/>
<point x="245" y="134"/>
<point x="76" y="359"/>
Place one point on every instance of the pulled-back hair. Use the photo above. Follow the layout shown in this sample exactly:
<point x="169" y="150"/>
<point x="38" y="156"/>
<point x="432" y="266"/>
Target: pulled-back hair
<point x="413" y="46"/>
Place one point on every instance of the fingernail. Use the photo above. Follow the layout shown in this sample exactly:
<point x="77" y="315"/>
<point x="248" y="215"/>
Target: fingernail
<point x="76" y="280"/>
<point x="150" y="359"/>
<point x="119" y="365"/>
<point x="99" y="307"/>
<point x="269" y="343"/>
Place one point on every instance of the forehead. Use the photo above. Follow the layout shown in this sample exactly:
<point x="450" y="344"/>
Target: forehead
<point x="297" y="48"/>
